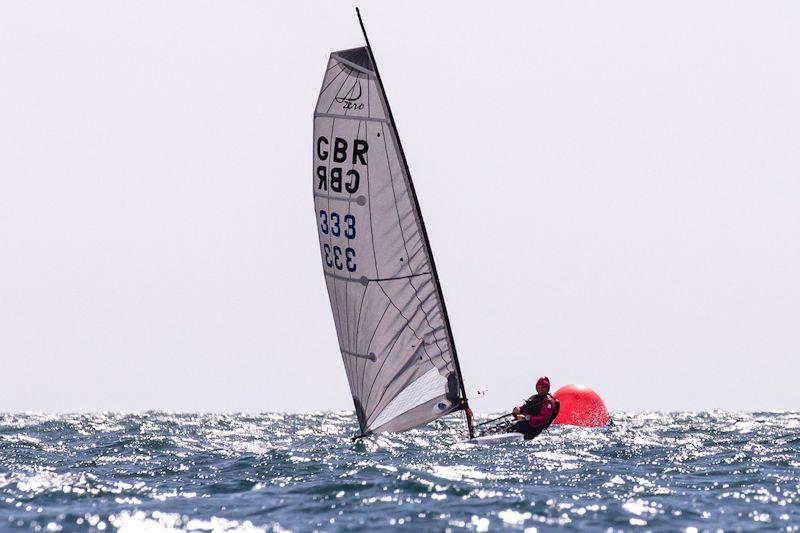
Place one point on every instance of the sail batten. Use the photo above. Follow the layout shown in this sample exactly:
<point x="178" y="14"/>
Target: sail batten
<point x="394" y="336"/>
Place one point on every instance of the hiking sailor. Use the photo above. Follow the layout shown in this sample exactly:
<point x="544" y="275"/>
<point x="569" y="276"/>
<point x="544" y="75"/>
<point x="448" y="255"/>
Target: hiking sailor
<point x="537" y="413"/>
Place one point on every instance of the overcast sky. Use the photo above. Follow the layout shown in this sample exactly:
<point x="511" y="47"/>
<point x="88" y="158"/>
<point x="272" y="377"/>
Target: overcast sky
<point x="612" y="193"/>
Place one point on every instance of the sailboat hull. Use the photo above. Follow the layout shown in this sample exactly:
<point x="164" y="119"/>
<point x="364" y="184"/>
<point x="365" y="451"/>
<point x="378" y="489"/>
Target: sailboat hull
<point x="499" y="438"/>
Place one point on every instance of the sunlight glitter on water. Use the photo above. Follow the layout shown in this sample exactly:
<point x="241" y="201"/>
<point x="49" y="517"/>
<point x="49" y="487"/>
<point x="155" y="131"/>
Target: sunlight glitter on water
<point x="274" y="472"/>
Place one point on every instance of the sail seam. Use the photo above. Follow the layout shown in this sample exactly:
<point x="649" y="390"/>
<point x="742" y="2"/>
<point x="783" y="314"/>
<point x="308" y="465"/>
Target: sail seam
<point x="326" y="87"/>
<point x="351" y="117"/>
<point x="330" y="244"/>
<point x="339" y="334"/>
<point x="365" y="280"/>
<point x="347" y="292"/>
<point x="369" y="346"/>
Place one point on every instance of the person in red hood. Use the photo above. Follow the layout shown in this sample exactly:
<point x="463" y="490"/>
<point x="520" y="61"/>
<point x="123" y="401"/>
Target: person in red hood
<point x="538" y="411"/>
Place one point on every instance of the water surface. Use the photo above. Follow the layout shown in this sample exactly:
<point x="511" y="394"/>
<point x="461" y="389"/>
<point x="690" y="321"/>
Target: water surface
<point x="189" y="472"/>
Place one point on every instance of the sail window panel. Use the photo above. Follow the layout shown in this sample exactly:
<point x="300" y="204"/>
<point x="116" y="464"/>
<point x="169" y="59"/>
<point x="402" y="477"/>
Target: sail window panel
<point x="427" y="387"/>
<point x="394" y="369"/>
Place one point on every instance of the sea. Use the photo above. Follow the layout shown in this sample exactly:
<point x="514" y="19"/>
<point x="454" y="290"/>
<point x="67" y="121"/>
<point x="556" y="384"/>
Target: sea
<point x="159" y="472"/>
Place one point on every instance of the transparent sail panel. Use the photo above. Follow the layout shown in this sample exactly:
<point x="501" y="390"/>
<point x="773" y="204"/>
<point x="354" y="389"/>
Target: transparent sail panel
<point x="427" y="387"/>
<point x="393" y="338"/>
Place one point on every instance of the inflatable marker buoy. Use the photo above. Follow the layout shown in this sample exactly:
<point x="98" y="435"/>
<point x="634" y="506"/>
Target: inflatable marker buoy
<point x="580" y="406"/>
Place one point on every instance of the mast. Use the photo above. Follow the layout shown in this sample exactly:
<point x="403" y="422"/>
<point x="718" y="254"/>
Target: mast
<point x="465" y="401"/>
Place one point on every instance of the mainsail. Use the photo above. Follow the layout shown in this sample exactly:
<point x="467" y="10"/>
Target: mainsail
<point x="391" y="321"/>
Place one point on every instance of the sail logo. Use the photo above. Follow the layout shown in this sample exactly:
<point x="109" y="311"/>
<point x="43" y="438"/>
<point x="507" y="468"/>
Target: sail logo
<point x="350" y="98"/>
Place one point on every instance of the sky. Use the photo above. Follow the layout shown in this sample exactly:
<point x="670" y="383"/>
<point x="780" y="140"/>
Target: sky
<point x="611" y="189"/>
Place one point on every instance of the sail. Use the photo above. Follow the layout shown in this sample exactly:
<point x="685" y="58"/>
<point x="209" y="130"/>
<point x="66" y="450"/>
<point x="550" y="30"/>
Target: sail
<point x="390" y="321"/>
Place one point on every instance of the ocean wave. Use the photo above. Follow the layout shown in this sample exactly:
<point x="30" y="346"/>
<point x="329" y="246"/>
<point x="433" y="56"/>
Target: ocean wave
<point x="160" y="471"/>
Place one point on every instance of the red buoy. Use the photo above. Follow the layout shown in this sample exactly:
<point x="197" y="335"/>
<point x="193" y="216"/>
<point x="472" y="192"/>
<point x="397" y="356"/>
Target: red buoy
<point x="580" y="406"/>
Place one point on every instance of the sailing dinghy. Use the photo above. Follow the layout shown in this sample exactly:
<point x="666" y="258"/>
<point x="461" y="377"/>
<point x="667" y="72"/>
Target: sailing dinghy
<point x="391" y="321"/>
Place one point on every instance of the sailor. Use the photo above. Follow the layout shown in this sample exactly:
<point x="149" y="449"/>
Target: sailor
<point x="538" y="411"/>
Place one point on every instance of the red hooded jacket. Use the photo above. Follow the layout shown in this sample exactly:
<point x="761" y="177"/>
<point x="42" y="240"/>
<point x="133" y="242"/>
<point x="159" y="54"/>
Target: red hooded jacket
<point x="539" y="417"/>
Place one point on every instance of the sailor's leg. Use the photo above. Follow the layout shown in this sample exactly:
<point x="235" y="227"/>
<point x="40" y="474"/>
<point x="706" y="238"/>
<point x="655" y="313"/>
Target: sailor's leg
<point x="523" y="427"/>
<point x="534" y="432"/>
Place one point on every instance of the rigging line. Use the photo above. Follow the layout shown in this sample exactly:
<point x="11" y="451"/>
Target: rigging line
<point x="403" y="236"/>
<point x="369" y="346"/>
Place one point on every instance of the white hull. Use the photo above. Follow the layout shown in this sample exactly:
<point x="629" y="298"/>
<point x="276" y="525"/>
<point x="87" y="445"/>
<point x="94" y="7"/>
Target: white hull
<point x="499" y="438"/>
